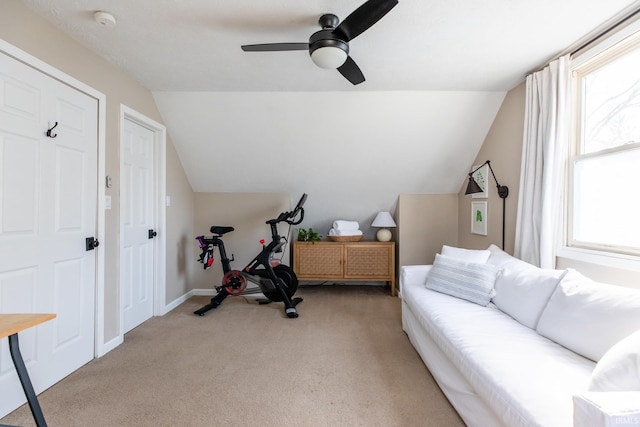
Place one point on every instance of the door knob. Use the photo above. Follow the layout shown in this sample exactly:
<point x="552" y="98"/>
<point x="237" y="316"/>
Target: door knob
<point x="91" y="243"/>
<point x="152" y="234"/>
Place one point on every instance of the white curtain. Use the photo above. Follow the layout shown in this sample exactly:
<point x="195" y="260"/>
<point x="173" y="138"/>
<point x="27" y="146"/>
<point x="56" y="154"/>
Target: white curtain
<point x="544" y="153"/>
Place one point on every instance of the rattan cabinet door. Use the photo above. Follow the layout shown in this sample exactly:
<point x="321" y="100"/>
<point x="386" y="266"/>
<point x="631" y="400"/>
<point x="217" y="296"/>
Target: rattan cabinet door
<point x="320" y="260"/>
<point x="368" y="261"/>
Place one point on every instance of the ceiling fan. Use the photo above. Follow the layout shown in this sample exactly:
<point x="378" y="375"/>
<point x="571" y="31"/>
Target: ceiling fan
<point x="329" y="47"/>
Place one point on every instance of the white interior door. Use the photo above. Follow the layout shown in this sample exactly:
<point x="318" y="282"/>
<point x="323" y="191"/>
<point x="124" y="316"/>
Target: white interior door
<point x="48" y="207"/>
<point x="137" y="195"/>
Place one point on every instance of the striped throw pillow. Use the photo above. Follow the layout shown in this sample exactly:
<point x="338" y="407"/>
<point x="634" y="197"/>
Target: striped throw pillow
<point x="471" y="281"/>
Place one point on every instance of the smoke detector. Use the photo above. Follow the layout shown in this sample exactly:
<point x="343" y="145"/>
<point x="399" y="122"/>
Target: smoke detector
<point x="105" y="19"/>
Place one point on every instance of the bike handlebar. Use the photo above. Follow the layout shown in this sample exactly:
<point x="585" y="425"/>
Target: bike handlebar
<point x="289" y="217"/>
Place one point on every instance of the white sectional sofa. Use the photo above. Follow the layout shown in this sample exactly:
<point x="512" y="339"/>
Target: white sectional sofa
<point x="511" y="344"/>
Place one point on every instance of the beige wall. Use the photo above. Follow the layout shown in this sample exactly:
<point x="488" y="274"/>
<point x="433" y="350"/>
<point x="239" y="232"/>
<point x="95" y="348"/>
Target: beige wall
<point x="31" y="33"/>
<point x="425" y="223"/>
<point x="180" y="231"/>
<point x="247" y="213"/>
<point x="503" y="146"/>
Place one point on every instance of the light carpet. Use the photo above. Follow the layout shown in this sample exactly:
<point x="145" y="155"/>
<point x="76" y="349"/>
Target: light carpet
<point x="344" y="362"/>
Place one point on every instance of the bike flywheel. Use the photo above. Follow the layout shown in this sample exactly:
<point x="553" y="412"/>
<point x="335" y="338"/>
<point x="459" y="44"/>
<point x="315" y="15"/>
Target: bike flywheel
<point x="234" y="282"/>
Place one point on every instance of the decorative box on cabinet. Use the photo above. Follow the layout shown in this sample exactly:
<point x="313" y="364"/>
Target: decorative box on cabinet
<point x="345" y="261"/>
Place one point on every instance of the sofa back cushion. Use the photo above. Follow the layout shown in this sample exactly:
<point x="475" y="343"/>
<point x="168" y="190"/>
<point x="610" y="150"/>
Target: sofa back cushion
<point x="619" y="368"/>
<point x="522" y="290"/>
<point x="462" y="279"/>
<point x="498" y="257"/>
<point x="588" y="317"/>
<point x="471" y="255"/>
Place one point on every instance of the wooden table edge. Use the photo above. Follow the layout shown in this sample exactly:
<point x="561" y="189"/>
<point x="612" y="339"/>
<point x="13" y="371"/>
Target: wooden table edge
<point x="16" y="322"/>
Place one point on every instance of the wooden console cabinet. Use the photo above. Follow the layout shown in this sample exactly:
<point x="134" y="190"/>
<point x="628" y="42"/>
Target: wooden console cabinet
<point x="345" y="261"/>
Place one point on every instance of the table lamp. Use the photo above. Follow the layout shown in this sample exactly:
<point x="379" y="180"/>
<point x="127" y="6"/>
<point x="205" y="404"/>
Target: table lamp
<point x="384" y="221"/>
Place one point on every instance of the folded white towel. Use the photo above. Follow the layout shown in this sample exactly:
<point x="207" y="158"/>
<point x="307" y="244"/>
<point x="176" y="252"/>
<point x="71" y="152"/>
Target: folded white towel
<point x="334" y="232"/>
<point x="345" y="225"/>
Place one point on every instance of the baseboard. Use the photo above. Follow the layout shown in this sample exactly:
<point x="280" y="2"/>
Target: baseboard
<point x="194" y="292"/>
<point x="199" y="292"/>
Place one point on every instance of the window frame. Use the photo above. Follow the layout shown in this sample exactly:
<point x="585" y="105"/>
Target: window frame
<point x="587" y="62"/>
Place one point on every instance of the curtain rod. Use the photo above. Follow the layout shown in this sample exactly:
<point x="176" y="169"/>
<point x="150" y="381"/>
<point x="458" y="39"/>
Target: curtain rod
<point x="589" y="42"/>
<point x="605" y="32"/>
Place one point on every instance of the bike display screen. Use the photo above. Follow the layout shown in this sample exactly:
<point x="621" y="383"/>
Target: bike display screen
<point x="299" y="205"/>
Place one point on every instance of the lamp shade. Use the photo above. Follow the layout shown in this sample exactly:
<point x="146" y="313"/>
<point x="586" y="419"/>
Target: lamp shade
<point x="383" y="219"/>
<point x="473" y="187"/>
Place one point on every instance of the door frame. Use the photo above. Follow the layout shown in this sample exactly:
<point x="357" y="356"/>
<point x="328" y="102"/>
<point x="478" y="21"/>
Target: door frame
<point x="100" y="347"/>
<point x="160" y="173"/>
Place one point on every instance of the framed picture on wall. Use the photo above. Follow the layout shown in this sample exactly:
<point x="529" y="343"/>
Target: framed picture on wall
<point x="481" y="176"/>
<point x="479" y="218"/>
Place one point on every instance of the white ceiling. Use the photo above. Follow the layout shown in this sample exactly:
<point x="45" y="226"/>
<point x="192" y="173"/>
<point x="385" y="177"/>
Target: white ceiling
<point x="436" y="72"/>
<point x="194" y="45"/>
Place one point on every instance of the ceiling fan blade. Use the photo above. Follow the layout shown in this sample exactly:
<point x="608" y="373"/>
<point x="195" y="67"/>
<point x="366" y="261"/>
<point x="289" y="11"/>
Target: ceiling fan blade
<point x="351" y="71"/>
<point x="363" y="18"/>
<point x="274" y="47"/>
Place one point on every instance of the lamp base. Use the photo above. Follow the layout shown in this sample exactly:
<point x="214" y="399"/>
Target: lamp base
<point x="383" y="235"/>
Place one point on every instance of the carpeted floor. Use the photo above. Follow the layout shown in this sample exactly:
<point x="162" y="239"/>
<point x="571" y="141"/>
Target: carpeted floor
<point x="344" y="362"/>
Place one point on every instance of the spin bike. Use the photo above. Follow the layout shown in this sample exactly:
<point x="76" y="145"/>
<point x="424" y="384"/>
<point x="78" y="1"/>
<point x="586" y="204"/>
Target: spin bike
<point x="277" y="282"/>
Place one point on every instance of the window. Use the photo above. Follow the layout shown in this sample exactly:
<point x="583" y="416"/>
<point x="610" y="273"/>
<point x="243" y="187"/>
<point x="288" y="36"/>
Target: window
<point x="604" y="203"/>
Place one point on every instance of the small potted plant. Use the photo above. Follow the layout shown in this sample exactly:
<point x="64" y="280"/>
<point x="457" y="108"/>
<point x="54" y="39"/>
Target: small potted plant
<point x="308" y="235"/>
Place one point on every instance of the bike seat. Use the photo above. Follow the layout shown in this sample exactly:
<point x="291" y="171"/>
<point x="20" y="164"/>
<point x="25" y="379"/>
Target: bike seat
<point x="220" y="230"/>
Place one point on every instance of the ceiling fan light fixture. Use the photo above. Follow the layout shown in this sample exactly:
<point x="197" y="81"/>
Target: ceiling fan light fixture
<point x="329" y="57"/>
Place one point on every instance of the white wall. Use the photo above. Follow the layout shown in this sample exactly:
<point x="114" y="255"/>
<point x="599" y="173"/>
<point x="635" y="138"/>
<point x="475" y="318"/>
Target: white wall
<point x="352" y="152"/>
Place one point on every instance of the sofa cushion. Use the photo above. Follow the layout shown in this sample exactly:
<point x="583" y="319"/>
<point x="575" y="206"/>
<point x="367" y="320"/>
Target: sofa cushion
<point x="471" y="255"/>
<point x="589" y="317"/>
<point x="462" y="279"/>
<point x="619" y="368"/>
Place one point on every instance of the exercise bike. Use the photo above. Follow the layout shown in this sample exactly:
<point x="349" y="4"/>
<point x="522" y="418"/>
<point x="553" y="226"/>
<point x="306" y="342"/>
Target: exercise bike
<point x="277" y="282"/>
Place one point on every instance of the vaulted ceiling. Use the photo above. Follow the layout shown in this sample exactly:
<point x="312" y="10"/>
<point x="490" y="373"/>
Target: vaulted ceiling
<point x="436" y="73"/>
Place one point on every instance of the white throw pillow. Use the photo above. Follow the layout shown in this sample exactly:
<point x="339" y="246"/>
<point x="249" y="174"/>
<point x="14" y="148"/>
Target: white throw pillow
<point x="619" y="368"/>
<point x="523" y="290"/>
<point x="471" y="281"/>
<point x="588" y="317"/>
<point x="470" y="255"/>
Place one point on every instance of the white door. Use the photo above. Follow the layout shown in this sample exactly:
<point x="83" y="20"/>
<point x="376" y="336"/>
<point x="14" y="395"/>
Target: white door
<point x="48" y="202"/>
<point x="137" y="195"/>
